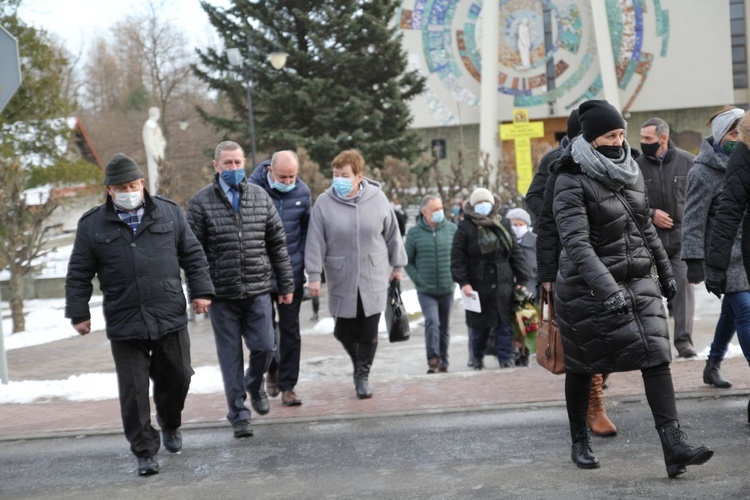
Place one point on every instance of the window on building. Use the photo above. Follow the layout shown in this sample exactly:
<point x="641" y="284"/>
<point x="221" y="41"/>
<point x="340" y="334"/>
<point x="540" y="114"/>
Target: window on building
<point x="739" y="52"/>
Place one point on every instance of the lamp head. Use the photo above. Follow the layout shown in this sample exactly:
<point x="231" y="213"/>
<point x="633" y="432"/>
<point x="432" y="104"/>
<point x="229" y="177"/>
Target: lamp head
<point x="278" y="59"/>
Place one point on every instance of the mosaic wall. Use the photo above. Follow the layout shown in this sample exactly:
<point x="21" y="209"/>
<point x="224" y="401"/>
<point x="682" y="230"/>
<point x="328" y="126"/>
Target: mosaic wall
<point x="444" y="39"/>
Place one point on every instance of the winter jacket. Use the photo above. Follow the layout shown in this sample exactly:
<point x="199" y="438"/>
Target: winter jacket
<point x="666" y="183"/>
<point x="704" y="187"/>
<point x="428" y="250"/>
<point x="492" y="276"/>
<point x="139" y="274"/>
<point x="246" y="249"/>
<point x="603" y="253"/>
<point x="548" y="246"/>
<point x="294" y="210"/>
<point x="535" y="194"/>
<point x="357" y="241"/>
<point x="528" y="246"/>
<point x="731" y="219"/>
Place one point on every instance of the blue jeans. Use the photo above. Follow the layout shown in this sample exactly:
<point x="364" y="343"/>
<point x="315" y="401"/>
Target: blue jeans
<point x="437" y="312"/>
<point x="503" y="341"/>
<point x="735" y="316"/>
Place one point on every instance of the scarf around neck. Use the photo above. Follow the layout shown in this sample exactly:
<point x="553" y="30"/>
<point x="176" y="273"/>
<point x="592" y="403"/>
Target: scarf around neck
<point x="489" y="240"/>
<point x="612" y="173"/>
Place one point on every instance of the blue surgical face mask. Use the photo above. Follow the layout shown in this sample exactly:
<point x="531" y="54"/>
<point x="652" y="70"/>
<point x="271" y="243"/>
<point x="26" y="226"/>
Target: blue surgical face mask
<point x="438" y="216"/>
<point x="233" y="177"/>
<point x="342" y="186"/>
<point x="483" y="208"/>
<point x="284" y="188"/>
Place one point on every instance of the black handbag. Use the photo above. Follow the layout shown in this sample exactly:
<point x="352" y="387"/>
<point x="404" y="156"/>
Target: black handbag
<point x="396" y="320"/>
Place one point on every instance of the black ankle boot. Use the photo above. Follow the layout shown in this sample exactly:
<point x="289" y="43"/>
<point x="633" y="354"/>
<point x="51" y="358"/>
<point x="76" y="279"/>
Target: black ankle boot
<point x="580" y="452"/>
<point x="677" y="452"/>
<point x="712" y="375"/>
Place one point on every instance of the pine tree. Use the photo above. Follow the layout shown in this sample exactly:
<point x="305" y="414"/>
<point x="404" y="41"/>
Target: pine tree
<point x="345" y="84"/>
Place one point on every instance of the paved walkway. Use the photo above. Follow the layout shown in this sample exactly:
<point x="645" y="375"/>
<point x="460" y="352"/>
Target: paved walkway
<point x="398" y="379"/>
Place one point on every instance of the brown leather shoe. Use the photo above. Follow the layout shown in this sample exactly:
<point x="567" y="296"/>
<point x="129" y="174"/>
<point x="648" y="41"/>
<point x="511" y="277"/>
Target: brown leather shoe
<point x="599" y="422"/>
<point x="288" y="398"/>
<point x="433" y="364"/>
<point x="272" y="388"/>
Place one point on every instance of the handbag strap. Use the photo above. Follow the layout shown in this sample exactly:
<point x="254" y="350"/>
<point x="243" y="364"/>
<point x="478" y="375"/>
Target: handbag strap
<point x="549" y="301"/>
<point x="629" y="209"/>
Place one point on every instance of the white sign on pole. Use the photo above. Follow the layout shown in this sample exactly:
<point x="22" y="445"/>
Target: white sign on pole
<point x="10" y="76"/>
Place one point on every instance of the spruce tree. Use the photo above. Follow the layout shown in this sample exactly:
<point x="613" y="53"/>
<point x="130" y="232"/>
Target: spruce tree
<point x="345" y="84"/>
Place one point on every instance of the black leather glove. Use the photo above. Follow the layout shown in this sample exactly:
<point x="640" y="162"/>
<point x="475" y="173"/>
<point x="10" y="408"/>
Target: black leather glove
<point x="669" y="288"/>
<point x="695" y="272"/>
<point x="716" y="280"/>
<point x="616" y="303"/>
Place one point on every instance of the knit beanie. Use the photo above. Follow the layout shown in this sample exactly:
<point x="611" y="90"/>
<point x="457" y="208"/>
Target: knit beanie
<point x="574" y="124"/>
<point x="724" y="122"/>
<point x="598" y="118"/>
<point x="519" y="213"/>
<point x="479" y="195"/>
<point x="120" y="170"/>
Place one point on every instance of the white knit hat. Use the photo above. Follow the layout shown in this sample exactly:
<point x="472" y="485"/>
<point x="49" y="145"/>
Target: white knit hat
<point x="721" y="125"/>
<point x="479" y="195"/>
<point x="519" y="213"/>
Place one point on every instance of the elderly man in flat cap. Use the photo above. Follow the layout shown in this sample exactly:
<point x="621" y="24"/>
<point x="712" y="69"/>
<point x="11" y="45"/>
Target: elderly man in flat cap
<point x="135" y="244"/>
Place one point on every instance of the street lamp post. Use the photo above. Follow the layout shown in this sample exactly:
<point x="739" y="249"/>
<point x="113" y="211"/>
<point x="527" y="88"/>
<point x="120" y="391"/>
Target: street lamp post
<point x="277" y="59"/>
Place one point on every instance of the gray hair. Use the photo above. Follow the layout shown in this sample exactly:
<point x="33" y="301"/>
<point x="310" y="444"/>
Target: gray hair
<point x="227" y="146"/>
<point x="427" y="199"/>
<point x="662" y="127"/>
<point x="277" y="154"/>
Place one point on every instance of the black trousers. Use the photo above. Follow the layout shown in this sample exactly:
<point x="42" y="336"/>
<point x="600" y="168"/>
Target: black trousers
<point x="360" y="329"/>
<point x="286" y="360"/>
<point x="166" y="361"/>
<point x="657" y="382"/>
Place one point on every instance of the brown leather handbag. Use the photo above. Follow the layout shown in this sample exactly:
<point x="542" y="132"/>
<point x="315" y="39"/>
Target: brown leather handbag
<point x="549" y="352"/>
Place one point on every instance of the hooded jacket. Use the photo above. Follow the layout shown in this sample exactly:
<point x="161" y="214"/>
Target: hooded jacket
<point x="294" y="211"/>
<point x="357" y="241"/>
<point x="704" y="189"/>
<point x="603" y="253"/>
<point x="246" y="249"/>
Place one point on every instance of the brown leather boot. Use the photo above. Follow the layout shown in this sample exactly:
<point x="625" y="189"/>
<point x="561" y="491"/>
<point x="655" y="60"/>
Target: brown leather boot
<point x="599" y="423"/>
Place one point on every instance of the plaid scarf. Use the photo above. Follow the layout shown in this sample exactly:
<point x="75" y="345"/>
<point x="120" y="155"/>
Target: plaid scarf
<point x="612" y="173"/>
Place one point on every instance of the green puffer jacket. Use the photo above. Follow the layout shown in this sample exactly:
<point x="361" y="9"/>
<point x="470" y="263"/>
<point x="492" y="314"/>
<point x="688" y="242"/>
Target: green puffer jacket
<point x="429" y="253"/>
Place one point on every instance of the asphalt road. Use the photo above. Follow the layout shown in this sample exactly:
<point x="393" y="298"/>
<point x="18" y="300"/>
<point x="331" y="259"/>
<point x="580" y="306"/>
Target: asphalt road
<point x="522" y="453"/>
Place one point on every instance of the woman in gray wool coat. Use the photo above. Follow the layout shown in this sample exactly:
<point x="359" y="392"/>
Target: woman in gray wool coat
<point x="608" y="297"/>
<point x="354" y="235"/>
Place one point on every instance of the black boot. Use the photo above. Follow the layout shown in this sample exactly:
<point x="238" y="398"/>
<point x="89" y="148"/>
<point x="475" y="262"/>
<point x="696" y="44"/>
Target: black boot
<point x="351" y="349"/>
<point x="712" y="375"/>
<point x="581" y="453"/>
<point x="365" y="356"/>
<point x="677" y="452"/>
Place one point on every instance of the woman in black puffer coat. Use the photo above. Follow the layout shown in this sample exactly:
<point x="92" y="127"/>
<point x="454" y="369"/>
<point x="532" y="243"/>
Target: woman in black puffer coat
<point x="608" y="298"/>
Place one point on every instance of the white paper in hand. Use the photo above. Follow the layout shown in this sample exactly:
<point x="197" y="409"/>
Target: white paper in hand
<point x="472" y="303"/>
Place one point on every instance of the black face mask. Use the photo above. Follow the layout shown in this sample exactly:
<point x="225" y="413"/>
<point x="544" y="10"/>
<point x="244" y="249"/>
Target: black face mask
<point x="611" y="152"/>
<point x="650" y="149"/>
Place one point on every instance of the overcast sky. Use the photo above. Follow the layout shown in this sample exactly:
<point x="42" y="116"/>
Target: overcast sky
<point x="76" y="22"/>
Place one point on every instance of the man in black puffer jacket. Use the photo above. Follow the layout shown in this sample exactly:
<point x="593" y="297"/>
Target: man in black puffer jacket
<point x="136" y="244"/>
<point x="244" y="240"/>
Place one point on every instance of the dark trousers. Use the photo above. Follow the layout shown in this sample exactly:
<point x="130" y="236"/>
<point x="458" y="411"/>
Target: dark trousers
<point x="286" y="359"/>
<point x="234" y="321"/>
<point x="657" y="382"/>
<point x="683" y="305"/>
<point x="166" y="361"/>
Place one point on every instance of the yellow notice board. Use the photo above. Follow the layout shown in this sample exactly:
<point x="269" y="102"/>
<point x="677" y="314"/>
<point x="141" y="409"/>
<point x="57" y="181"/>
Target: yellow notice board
<point x="521" y="131"/>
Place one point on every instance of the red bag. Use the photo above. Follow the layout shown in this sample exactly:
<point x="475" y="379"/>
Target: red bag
<point x="549" y="352"/>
